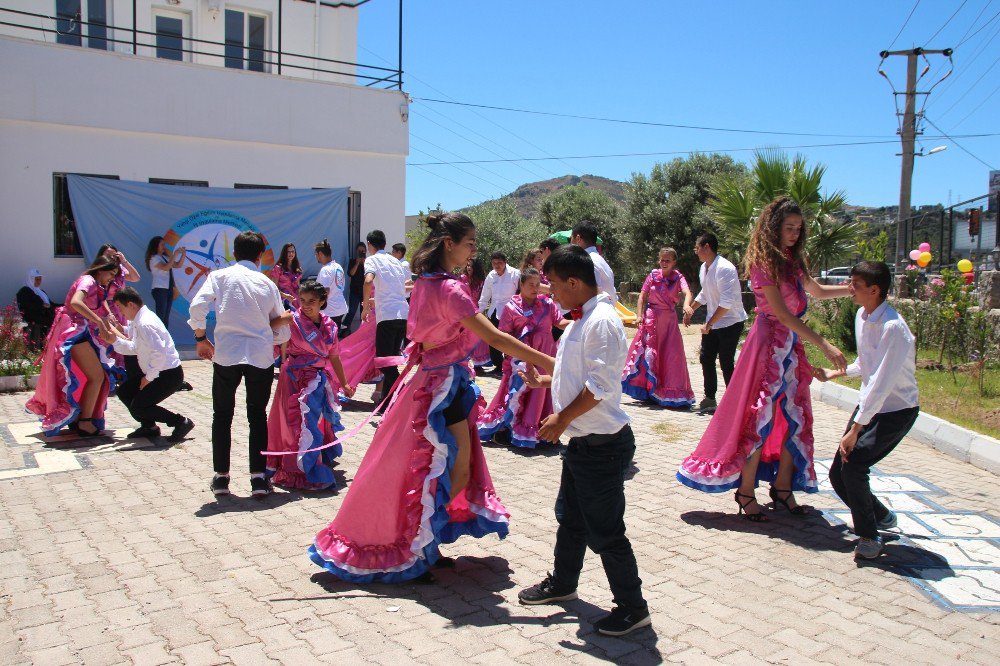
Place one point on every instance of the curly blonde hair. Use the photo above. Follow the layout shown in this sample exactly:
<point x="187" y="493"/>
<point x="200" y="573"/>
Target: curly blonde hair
<point x="765" y="250"/>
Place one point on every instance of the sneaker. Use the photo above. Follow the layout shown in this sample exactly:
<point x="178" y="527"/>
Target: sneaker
<point x="185" y="387"/>
<point x="546" y="592"/>
<point x="181" y="429"/>
<point x="377" y="397"/>
<point x="150" y="432"/>
<point x="887" y="523"/>
<point x="707" y="405"/>
<point x="260" y="487"/>
<point x="868" y="549"/>
<point x="220" y="485"/>
<point x="623" y="620"/>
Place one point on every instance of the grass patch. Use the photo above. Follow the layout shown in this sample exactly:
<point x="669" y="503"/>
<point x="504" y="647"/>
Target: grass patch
<point x="953" y="396"/>
<point x="668" y="432"/>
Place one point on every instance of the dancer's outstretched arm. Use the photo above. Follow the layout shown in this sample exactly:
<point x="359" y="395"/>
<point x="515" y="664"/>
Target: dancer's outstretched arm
<point x="508" y="344"/>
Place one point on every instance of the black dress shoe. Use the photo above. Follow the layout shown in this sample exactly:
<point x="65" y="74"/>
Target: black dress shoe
<point x="181" y="429"/>
<point x="148" y="433"/>
<point x="185" y="387"/>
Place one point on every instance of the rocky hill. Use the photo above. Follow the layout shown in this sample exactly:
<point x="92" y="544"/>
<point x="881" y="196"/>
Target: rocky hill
<point x="526" y="197"/>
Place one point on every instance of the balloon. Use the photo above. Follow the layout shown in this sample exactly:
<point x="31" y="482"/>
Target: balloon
<point x="924" y="259"/>
<point x="970" y="278"/>
<point x="924" y="247"/>
<point x="914" y="255"/>
<point x="965" y="266"/>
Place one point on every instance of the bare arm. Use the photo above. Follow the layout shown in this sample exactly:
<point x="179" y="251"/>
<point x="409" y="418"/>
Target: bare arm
<point x="368" y="289"/>
<point x="338" y="369"/>
<point x="781" y="313"/>
<point x="824" y="291"/>
<point x="178" y="256"/>
<point x="508" y="344"/>
<point x="78" y="303"/>
<point x="133" y="274"/>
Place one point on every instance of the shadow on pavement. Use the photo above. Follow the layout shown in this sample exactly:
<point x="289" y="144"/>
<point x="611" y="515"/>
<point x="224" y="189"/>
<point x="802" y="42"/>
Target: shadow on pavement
<point x="810" y="531"/>
<point x="912" y="561"/>
<point x="470" y="594"/>
<point x="237" y="504"/>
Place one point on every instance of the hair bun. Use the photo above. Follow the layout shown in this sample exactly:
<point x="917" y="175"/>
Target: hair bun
<point x="434" y="220"/>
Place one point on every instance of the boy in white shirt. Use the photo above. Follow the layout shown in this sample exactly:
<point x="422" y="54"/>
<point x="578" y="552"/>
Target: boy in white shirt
<point x="887" y="408"/>
<point x="586" y="392"/>
<point x="331" y="275"/>
<point x="399" y="251"/>
<point x="385" y="282"/>
<point x="499" y="287"/>
<point x="160" y="367"/>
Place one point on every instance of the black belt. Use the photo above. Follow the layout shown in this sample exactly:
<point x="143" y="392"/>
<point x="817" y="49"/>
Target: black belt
<point x="585" y="441"/>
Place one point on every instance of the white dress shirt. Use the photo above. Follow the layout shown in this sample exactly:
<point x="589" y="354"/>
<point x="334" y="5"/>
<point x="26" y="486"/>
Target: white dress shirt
<point x="245" y="302"/>
<point x="406" y="268"/>
<point x="591" y="355"/>
<point x="720" y="288"/>
<point x="886" y="363"/>
<point x="390" y="286"/>
<point x="498" y="290"/>
<point x="605" y="276"/>
<point x="332" y="277"/>
<point x="150" y="341"/>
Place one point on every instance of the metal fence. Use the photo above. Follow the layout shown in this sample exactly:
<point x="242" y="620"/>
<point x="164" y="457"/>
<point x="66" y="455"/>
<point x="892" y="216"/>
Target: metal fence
<point x="130" y="39"/>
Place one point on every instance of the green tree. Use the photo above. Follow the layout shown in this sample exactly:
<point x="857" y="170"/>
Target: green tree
<point x="737" y="201"/>
<point x="874" y="248"/>
<point x="562" y="209"/>
<point x="499" y="228"/>
<point x="667" y="207"/>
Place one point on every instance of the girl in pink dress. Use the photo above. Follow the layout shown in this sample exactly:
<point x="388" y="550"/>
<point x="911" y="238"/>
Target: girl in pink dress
<point x="78" y="370"/>
<point x="424" y="480"/>
<point x="517" y="408"/>
<point x="128" y="273"/>
<point x="305" y="412"/>
<point x="762" y="429"/>
<point x="656" y="369"/>
<point x="287" y="273"/>
<point x="475" y="276"/>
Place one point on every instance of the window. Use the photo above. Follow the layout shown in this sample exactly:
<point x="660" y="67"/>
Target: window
<point x="72" y="14"/>
<point x="67" y="241"/>
<point x="246" y="41"/>
<point x="174" y="181"/>
<point x="249" y="186"/>
<point x="171" y="29"/>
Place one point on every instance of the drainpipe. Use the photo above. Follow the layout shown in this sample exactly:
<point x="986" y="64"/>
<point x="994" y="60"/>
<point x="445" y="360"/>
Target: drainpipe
<point x="316" y="38"/>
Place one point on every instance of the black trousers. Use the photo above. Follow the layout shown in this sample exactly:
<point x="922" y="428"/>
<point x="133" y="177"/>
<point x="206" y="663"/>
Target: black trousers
<point x="389" y="335"/>
<point x="720" y="343"/>
<point x="225" y="380"/>
<point x="496" y="356"/>
<point x="144" y="404"/>
<point x="849" y="478"/>
<point x="590" y="509"/>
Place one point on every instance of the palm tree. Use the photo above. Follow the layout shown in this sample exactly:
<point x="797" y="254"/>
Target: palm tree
<point x="736" y="203"/>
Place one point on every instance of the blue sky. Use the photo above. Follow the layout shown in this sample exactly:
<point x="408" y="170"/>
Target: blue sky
<point x="808" y="67"/>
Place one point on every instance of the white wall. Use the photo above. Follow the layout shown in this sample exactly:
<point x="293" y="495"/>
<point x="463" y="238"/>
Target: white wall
<point x="337" y="30"/>
<point x="67" y="109"/>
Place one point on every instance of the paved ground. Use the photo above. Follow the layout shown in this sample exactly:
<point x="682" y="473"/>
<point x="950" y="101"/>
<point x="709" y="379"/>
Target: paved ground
<point x="116" y="554"/>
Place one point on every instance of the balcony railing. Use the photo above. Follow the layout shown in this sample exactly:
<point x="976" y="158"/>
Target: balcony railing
<point x="250" y="58"/>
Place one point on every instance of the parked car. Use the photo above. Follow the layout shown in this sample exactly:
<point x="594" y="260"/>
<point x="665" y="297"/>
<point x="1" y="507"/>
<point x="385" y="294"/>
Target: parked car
<point x="839" y="275"/>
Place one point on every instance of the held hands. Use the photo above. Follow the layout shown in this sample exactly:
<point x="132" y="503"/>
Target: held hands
<point x="825" y="374"/>
<point x="205" y="349"/>
<point x="704" y="329"/>
<point x="687" y="317"/>
<point x="533" y="380"/>
<point x="348" y="391"/>
<point x="834" y="355"/>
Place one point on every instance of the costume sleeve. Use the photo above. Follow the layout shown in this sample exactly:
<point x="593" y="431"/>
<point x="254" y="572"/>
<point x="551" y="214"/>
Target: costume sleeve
<point x="759" y="278"/>
<point x="602" y="341"/>
<point x="506" y="323"/>
<point x="200" y="304"/>
<point x="684" y="282"/>
<point x="645" y="284"/>
<point x="458" y="301"/>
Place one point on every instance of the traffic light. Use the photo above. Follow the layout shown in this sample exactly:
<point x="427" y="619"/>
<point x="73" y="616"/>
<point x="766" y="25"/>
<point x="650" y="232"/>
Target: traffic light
<point x="974" y="215"/>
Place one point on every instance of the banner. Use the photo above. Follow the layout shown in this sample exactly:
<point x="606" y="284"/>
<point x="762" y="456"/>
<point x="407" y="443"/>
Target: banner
<point x="204" y="221"/>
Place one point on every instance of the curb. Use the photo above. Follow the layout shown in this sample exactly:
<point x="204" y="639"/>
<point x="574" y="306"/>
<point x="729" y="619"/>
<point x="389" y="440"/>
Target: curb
<point x="970" y="447"/>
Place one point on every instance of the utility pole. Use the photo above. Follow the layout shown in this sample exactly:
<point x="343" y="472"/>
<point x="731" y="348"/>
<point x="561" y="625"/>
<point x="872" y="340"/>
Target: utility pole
<point x="908" y="135"/>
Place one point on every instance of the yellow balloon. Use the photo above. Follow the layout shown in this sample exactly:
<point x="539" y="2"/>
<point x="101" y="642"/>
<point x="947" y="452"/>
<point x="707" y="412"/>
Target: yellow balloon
<point x="965" y="266"/>
<point x="924" y="259"/>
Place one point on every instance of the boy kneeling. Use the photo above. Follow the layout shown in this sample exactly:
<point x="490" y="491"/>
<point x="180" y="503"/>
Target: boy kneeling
<point x="887" y="407"/>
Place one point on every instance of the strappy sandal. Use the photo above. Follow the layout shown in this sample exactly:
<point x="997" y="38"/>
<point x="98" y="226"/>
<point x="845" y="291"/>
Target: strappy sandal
<point x="75" y="427"/>
<point x="775" y="494"/>
<point x="758" y="517"/>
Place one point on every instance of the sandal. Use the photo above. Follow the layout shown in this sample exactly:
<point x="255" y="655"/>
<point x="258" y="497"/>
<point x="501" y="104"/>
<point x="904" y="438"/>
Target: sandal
<point x="775" y="494"/>
<point x="75" y="427"/>
<point x="758" y="517"/>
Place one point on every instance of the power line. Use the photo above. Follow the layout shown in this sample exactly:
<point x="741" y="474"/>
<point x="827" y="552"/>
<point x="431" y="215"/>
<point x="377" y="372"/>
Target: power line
<point x="971" y="88"/>
<point x="451" y="152"/>
<point x="928" y="41"/>
<point x="965" y="39"/>
<point x="903" y="27"/>
<point x="453" y="182"/>
<point x="454" y="165"/>
<point x="647" y="122"/>
<point x="963" y="148"/>
<point x="978" y="106"/>
<point x="972" y="25"/>
<point x="690" y="151"/>
<point x="966" y="67"/>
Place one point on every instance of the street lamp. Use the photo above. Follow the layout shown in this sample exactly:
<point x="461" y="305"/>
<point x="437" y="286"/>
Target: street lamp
<point x="938" y="149"/>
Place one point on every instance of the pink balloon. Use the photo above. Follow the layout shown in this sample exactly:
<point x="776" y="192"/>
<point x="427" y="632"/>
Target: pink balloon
<point x="925" y="247"/>
<point x="914" y="255"/>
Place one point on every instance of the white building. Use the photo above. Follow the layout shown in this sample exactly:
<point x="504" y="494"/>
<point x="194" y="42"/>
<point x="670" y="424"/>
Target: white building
<point x="259" y="93"/>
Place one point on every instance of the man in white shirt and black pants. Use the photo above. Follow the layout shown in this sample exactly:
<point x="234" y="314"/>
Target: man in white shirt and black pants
<point x="249" y="320"/>
<point x="722" y="296"/>
<point x="386" y="280"/>
<point x="586" y="395"/>
<point x="499" y="287"/>
<point x="158" y="375"/>
<point x="331" y="275"/>
<point x="887" y="408"/>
